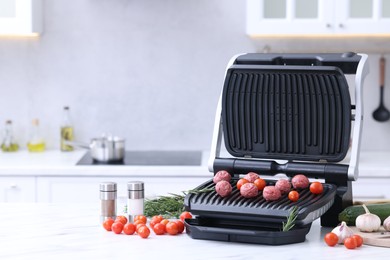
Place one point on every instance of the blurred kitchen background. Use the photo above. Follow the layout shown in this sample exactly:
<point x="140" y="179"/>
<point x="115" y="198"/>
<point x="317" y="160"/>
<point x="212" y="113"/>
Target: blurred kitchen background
<point x="150" y="71"/>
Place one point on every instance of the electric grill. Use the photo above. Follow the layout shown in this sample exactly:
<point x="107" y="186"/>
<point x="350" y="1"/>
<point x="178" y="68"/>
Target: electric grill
<point x="282" y="114"/>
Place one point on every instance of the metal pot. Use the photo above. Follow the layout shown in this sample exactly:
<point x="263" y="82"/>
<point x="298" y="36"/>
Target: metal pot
<point x="104" y="149"/>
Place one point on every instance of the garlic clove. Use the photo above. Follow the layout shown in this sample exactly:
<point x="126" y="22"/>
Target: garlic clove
<point x="368" y="222"/>
<point x="386" y="224"/>
<point x="343" y="232"/>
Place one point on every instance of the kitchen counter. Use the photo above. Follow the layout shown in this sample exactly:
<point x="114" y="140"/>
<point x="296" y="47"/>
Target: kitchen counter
<point x="65" y="231"/>
<point x="49" y="176"/>
<point x="57" y="163"/>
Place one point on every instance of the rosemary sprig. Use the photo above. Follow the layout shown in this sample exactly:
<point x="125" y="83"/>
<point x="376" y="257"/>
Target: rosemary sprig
<point x="290" y="219"/>
<point x="169" y="206"/>
<point x="196" y="191"/>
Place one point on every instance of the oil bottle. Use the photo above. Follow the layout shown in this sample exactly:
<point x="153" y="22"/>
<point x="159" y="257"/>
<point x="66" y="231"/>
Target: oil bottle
<point x="9" y="144"/>
<point x="67" y="133"/>
<point x="36" y="142"/>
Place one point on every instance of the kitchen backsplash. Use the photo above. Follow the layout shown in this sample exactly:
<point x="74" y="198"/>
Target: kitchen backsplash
<point x="148" y="71"/>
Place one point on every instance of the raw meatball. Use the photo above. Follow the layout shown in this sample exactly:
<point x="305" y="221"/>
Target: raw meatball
<point x="271" y="193"/>
<point x="249" y="190"/>
<point x="223" y="188"/>
<point x="300" y="181"/>
<point x="222" y="176"/>
<point x="283" y="185"/>
<point x="251" y="176"/>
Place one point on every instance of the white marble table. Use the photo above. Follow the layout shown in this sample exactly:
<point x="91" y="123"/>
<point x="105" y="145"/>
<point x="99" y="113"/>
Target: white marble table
<point x="53" y="231"/>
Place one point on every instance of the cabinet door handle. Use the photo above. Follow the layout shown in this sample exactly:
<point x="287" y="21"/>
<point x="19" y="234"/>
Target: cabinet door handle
<point x="328" y="25"/>
<point x="13" y="186"/>
<point x="370" y="197"/>
<point x="341" y="25"/>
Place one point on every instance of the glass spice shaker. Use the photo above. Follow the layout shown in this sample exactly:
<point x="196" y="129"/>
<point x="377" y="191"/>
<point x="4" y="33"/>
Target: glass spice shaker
<point x="135" y="201"/>
<point x="108" y="194"/>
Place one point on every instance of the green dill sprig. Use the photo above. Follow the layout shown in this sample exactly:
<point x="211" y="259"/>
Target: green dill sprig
<point x="290" y="219"/>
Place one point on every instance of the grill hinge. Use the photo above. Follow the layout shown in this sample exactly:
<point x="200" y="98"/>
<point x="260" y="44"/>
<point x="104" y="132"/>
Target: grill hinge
<point x="335" y="173"/>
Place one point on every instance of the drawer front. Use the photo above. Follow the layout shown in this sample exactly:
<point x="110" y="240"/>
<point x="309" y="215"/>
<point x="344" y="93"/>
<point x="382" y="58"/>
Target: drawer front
<point x="371" y="189"/>
<point x="17" y="189"/>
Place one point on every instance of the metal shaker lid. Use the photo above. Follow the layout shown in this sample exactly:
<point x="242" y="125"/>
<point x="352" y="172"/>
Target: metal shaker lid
<point x="135" y="185"/>
<point x="108" y="186"/>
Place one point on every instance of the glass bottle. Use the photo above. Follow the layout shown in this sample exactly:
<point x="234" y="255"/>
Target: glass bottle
<point x="9" y="144"/>
<point x="66" y="131"/>
<point x="36" y="142"/>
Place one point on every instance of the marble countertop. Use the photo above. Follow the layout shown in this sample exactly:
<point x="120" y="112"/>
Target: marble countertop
<point x="55" y="162"/>
<point x="64" y="231"/>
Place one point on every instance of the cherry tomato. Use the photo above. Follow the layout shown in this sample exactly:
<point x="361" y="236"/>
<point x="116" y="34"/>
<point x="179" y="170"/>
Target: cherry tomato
<point x="180" y="226"/>
<point x="350" y="243"/>
<point x="164" y="222"/>
<point x="260" y="183"/>
<point x="129" y="229"/>
<point x="185" y="215"/>
<point x="331" y="239"/>
<point x="316" y="187"/>
<point x="137" y="227"/>
<point x="293" y="195"/>
<point x="172" y="228"/>
<point x="159" y="229"/>
<point x="157" y="219"/>
<point x="143" y="231"/>
<point x="138" y="222"/>
<point x="122" y="219"/>
<point x="241" y="182"/>
<point x="117" y="227"/>
<point x="140" y="218"/>
<point x="152" y="223"/>
<point x="107" y="224"/>
<point x="358" y="239"/>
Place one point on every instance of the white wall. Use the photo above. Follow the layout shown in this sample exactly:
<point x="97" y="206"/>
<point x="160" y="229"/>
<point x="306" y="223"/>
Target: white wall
<point x="376" y="135"/>
<point x="150" y="71"/>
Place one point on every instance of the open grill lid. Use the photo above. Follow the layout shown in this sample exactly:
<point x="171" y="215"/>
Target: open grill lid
<point x="293" y="107"/>
<point x="285" y="112"/>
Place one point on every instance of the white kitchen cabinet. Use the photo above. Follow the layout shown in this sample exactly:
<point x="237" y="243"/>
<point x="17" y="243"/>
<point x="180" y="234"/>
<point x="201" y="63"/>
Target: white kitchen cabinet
<point x="17" y="189"/>
<point x="366" y="188"/>
<point x="86" y="189"/>
<point x="20" y="17"/>
<point x="318" y="17"/>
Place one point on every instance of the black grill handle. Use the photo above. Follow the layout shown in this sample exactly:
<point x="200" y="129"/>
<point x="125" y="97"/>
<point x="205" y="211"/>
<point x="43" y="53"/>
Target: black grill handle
<point x="332" y="173"/>
<point x="347" y="62"/>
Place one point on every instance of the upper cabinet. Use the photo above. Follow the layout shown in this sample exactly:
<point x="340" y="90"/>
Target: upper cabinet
<point x="318" y="17"/>
<point x="20" y="17"/>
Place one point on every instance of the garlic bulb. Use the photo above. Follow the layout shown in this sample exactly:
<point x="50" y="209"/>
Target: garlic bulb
<point x="368" y="222"/>
<point x="343" y="232"/>
<point x="386" y="223"/>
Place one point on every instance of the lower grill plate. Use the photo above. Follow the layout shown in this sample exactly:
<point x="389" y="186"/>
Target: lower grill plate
<point x="257" y="209"/>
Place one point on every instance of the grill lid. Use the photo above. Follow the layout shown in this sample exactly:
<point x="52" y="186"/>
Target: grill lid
<point x="286" y="112"/>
